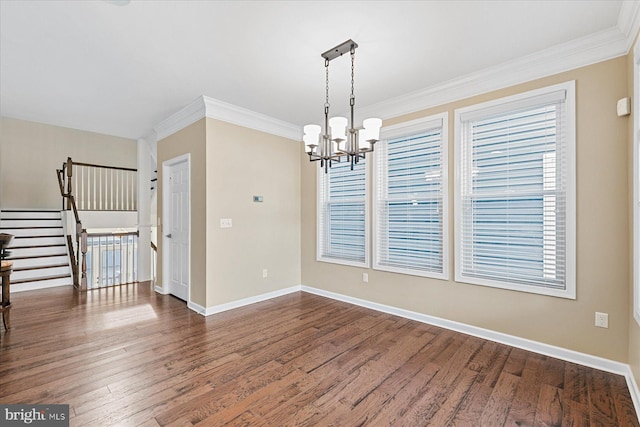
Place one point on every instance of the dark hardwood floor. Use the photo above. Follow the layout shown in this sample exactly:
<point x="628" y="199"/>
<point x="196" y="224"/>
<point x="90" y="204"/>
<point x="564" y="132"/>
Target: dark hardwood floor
<point x="127" y="356"/>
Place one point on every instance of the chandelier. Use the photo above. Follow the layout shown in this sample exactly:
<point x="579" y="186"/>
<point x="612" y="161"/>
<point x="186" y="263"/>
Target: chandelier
<point x="338" y="141"/>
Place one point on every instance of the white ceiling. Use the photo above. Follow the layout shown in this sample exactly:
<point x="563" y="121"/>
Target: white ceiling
<point x="120" y="68"/>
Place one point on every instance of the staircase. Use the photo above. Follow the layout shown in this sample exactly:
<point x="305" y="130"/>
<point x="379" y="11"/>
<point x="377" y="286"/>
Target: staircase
<point x="38" y="250"/>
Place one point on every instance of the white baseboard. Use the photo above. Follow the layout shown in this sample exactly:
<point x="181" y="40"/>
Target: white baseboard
<point x="633" y="390"/>
<point x="159" y="289"/>
<point x="246" y="301"/>
<point x="196" y="307"/>
<point x="584" y="359"/>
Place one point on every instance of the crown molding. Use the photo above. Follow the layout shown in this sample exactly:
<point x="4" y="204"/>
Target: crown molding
<point x="629" y="20"/>
<point x="230" y="113"/>
<point x="598" y="47"/>
<point x="203" y="106"/>
<point x="182" y="118"/>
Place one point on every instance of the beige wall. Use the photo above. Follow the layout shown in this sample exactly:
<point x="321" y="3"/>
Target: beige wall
<point x="602" y="237"/>
<point x="31" y="152"/>
<point x="229" y="165"/>
<point x="241" y="163"/>
<point x="634" y="328"/>
<point x="192" y="140"/>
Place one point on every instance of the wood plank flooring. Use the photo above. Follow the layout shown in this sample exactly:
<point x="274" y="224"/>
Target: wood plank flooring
<point x="126" y="356"/>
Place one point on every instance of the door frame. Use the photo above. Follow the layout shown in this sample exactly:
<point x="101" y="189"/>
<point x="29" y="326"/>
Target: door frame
<point x="166" y="165"/>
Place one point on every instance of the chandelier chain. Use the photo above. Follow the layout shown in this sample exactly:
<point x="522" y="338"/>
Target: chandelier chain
<point x="326" y="102"/>
<point x="352" y="99"/>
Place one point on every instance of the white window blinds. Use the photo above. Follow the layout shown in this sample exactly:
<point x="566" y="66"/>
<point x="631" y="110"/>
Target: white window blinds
<point x="411" y="199"/>
<point x="515" y="196"/>
<point x="343" y="214"/>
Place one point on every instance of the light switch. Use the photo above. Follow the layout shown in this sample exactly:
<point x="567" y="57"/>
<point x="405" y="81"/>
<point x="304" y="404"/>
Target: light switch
<point x="226" y="223"/>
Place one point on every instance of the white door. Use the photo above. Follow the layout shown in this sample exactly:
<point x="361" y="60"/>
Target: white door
<point x="176" y="229"/>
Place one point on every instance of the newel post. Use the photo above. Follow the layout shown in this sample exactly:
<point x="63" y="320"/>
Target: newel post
<point x="83" y="249"/>
<point x="69" y="175"/>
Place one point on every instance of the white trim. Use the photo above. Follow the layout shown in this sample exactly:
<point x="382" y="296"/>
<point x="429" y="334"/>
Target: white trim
<point x="570" y="129"/>
<point x="196" y="307"/>
<point x="250" y="119"/>
<point x="182" y="118"/>
<point x="204" y="106"/>
<point x="242" y="302"/>
<point x="588" y="50"/>
<point x="629" y="21"/>
<point x="441" y="121"/>
<point x="165" y="209"/>
<point x="160" y="289"/>
<point x="636" y="184"/>
<point x="634" y="391"/>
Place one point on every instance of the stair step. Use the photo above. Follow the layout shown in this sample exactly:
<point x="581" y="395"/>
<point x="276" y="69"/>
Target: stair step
<point x="36" y="241"/>
<point x="38" y="267"/>
<point x="27" y="214"/>
<point x="40" y="261"/>
<point x="36" y="236"/>
<point x="51" y="245"/>
<point x="32" y="228"/>
<point x="31" y="222"/>
<point x="41" y="284"/>
<point x="36" y="273"/>
<point x="22" y="257"/>
<point x="37" y="250"/>
<point x="28" y="232"/>
<point x="41" y="279"/>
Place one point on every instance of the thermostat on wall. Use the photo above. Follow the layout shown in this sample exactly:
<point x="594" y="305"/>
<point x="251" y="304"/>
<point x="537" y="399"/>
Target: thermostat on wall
<point x="624" y="107"/>
<point x="257" y="199"/>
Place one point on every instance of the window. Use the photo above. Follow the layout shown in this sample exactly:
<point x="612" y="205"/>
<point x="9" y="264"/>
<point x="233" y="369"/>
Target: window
<point x="515" y="192"/>
<point x="411" y="198"/>
<point x="343" y="221"/>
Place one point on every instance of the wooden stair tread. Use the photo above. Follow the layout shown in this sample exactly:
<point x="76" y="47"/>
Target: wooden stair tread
<point x="36" y="246"/>
<point x="41" y="279"/>
<point x="12" y="258"/>
<point x="38" y="237"/>
<point x="40" y="267"/>
<point x="30" y="228"/>
<point x="31" y="210"/>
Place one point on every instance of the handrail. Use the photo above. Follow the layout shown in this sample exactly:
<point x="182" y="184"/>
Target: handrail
<point x="80" y="232"/>
<point x="105" y="167"/>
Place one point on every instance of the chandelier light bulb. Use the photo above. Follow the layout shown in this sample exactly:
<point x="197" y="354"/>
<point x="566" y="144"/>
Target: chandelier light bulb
<point x="372" y="126"/>
<point x="338" y="127"/>
<point x="311" y="137"/>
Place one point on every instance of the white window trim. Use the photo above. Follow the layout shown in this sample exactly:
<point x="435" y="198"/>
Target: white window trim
<point x="570" y="290"/>
<point x="407" y="128"/>
<point x="365" y="264"/>
<point x="636" y="183"/>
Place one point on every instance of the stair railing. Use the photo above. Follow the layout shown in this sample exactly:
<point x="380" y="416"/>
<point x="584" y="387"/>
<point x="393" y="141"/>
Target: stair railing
<point x="91" y="187"/>
<point x="64" y="180"/>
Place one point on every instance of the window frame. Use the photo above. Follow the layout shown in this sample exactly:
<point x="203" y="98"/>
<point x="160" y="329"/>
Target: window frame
<point x="517" y="100"/>
<point x="406" y="129"/>
<point x="320" y="182"/>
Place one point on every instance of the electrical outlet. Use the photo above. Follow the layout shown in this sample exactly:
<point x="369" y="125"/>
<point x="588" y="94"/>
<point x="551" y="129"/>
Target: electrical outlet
<point x="365" y="277"/>
<point x="602" y="320"/>
<point x="264" y="273"/>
